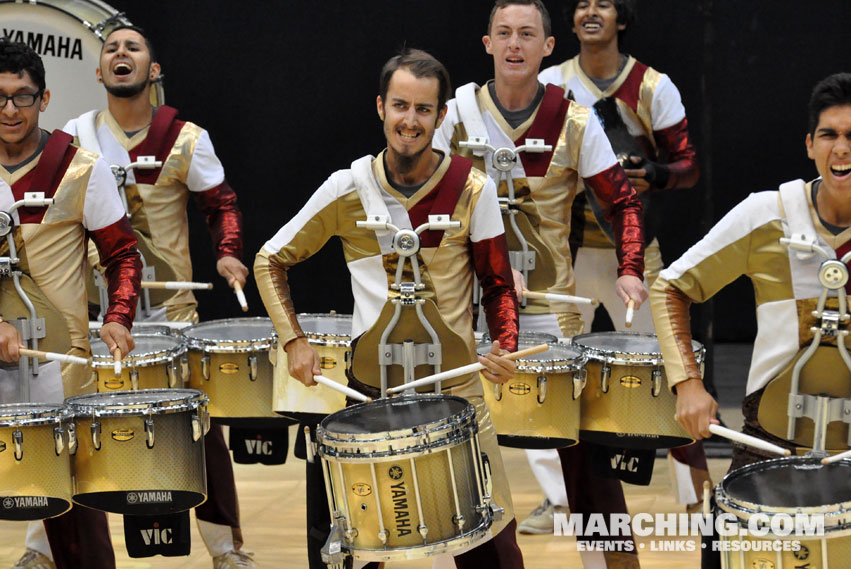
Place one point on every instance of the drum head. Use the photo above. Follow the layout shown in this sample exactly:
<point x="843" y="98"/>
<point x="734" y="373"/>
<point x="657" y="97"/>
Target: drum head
<point x="394" y="414"/>
<point x="559" y="357"/>
<point x="796" y="482"/>
<point x="137" y="402"/>
<point x="326" y="325"/>
<point x="629" y="343"/>
<point x="232" y="330"/>
<point x="147" y="346"/>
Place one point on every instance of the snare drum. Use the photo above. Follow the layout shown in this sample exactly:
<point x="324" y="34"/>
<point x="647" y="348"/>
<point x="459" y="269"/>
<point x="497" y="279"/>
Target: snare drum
<point x="68" y="35"/>
<point x="626" y="402"/>
<point x="159" y="361"/>
<point x="539" y="408"/>
<point x="35" y="472"/>
<point x="331" y="336"/>
<point x="229" y="361"/>
<point x="406" y="476"/>
<point x="140" y="452"/>
<point x="788" y="486"/>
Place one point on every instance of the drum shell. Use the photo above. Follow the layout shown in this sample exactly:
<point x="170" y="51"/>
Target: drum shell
<point x="166" y="369"/>
<point x="40" y="472"/>
<point x="233" y="394"/>
<point x="105" y="478"/>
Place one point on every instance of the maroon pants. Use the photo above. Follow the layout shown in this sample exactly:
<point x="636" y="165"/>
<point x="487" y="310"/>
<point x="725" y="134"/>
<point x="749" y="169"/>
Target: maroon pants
<point x="222" y="505"/>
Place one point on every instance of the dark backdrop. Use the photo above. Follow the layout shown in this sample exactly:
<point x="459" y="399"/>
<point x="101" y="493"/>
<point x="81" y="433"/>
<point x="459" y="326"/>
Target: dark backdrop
<point x="287" y="90"/>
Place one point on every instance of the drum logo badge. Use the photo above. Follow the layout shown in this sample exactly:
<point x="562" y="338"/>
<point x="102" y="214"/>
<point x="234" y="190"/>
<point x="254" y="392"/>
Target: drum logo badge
<point x="123" y="435"/>
<point x="361" y="489"/>
<point x="630" y="381"/>
<point x="802" y="554"/>
<point x="326" y="362"/>
<point x="395" y="472"/>
<point x="148" y="497"/>
<point x="762" y="564"/>
<point x="519" y="388"/>
<point x="113" y="383"/>
<point x="399" y="494"/>
<point x="8" y="503"/>
<point x="229" y="368"/>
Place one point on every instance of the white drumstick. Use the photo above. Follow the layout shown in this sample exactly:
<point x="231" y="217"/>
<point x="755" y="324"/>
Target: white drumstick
<point x="706" y="498"/>
<point x="747" y="440"/>
<point x="469" y="368"/>
<point x="836" y="457"/>
<point x="630" y="312"/>
<point x="116" y="353"/>
<point x="240" y="296"/>
<point x="177" y="285"/>
<point x="54" y="357"/>
<point x="553" y="297"/>
<point x="322" y="380"/>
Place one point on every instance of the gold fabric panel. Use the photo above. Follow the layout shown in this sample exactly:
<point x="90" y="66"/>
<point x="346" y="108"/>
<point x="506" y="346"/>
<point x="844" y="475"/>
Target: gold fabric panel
<point x="645" y="99"/>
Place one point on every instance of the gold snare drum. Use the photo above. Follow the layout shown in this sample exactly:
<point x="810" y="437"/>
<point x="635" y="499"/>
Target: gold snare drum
<point x="158" y="362"/>
<point x="786" y="488"/>
<point x="35" y="471"/>
<point x="406" y="477"/>
<point x="229" y="361"/>
<point x="626" y="402"/>
<point x="140" y="452"/>
<point x="539" y="408"/>
<point x="331" y="336"/>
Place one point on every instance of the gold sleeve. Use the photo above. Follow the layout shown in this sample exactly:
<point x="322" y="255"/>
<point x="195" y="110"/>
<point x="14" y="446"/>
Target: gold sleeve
<point x="670" y="307"/>
<point x="270" y="273"/>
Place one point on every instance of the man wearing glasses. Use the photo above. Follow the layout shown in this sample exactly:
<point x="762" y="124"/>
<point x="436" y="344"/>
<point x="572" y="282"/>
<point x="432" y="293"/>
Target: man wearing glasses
<point x="51" y="245"/>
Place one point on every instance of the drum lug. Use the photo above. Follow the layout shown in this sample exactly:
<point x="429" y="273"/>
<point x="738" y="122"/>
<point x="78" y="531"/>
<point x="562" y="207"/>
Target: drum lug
<point x="95" y="429"/>
<point x="382" y="536"/>
<point x="656" y="388"/>
<point x="197" y="427"/>
<point x="605" y="373"/>
<point x="423" y="531"/>
<point x="459" y="522"/>
<point x="171" y="372"/>
<point x="497" y="512"/>
<point x="18" y="437"/>
<point x="497" y="391"/>
<point x="58" y="442"/>
<point x="252" y="368"/>
<point x="184" y="368"/>
<point x="542" y="389"/>
<point x="205" y="367"/>
<point x="149" y="431"/>
<point x="72" y="439"/>
<point x="134" y="379"/>
<point x="578" y="384"/>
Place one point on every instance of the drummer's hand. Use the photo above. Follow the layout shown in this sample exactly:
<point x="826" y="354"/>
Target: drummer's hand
<point x="10" y="343"/>
<point x="629" y="287"/>
<point x="114" y="335"/>
<point x="696" y="409"/>
<point x="232" y="270"/>
<point x="519" y="284"/>
<point x="303" y="361"/>
<point x="637" y="176"/>
<point x="497" y="368"/>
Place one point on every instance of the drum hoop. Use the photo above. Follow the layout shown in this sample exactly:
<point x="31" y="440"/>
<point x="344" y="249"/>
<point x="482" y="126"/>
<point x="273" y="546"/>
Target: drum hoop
<point x="627" y="358"/>
<point x="327" y="338"/>
<point x="56" y="414"/>
<point x="110" y="11"/>
<point x="193" y="399"/>
<point x="143" y="359"/>
<point x="562" y="367"/>
<point x="230" y="346"/>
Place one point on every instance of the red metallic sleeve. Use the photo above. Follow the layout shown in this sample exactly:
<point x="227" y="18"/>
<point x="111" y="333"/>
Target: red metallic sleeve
<point x="223" y="218"/>
<point x="116" y="245"/>
<point x="624" y="211"/>
<point x="679" y="155"/>
<point x="493" y="269"/>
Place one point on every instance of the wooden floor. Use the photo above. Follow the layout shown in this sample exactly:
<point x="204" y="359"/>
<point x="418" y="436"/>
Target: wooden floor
<point x="272" y="509"/>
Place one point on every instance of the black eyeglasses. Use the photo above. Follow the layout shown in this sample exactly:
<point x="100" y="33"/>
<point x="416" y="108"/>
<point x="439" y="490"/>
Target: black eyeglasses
<point x="21" y="100"/>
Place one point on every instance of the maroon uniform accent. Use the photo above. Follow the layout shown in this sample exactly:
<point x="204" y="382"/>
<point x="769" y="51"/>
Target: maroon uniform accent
<point x="158" y="143"/>
<point x="629" y="90"/>
<point x="116" y="245"/>
<point x="46" y="176"/>
<point x="493" y="269"/>
<point x="678" y="154"/>
<point x="80" y="538"/>
<point x="840" y="251"/>
<point x="223" y="218"/>
<point x="442" y="199"/>
<point x="623" y="210"/>
<point x="548" y="124"/>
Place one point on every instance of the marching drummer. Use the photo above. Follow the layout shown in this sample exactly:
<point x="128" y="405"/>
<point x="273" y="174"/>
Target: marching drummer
<point x="127" y="130"/>
<point x="515" y="106"/>
<point x="408" y="180"/>
<point x="786" y="282"/>
<point x="51" y="243"/>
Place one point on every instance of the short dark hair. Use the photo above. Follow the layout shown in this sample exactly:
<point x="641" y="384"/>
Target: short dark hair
<point x="421" y="64"/>
<point x="832" y="91"/>
<point x="626" y="9"/>
<point x="545" y="14"/>
<point x="139" y="31"/>
<point x="16" y="57"/>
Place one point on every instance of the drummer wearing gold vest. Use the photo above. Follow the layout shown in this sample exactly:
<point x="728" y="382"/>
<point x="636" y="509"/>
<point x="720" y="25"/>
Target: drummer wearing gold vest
<point x="789" y="243"/>
<point x="50" y="243"/>
<point x="409" y="184"/>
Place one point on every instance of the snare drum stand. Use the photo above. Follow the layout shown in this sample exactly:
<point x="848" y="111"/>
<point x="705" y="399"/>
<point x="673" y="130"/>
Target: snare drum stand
<point x="504" y="160"/>
<point x="833" y="276"/>
<point x="32" y="328"/>
<point x="148" y="272"/>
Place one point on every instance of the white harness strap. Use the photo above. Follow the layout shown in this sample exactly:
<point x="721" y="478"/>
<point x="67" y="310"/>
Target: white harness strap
<point x="370" y="197"/>
<point x="87" y="132"/>
<point x="468" y="111"/>
<point x="794" y="197"/>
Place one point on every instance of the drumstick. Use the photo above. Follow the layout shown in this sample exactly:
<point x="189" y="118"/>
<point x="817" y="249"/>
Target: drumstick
<point x="747" y="440"/>
<point x="240" y="296"/>
<point x="53" y="357"/>
<point x="322" y="380"/>
<point x="706" y="498"/>
<point x="116" y="354"/>
<point x="177" y="285"/>
<point x="553" y="297"/>
<point x="469" y="368"/>
<point x="836" y="457"/>
<point x="630" y="312"/>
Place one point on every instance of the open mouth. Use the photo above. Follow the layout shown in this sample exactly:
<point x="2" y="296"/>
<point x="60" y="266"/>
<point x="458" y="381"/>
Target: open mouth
<point x="514" y="60"/>
<point x="841" y="170"/>
<point x="122" y="69"/>
<point x="592" y="26"/>
<point x="408" y="135"/>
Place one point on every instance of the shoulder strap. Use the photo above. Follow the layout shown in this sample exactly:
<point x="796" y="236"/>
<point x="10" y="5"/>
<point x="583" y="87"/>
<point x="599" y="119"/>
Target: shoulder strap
<point x="448" y="193"/>
<point x="87" y="132"/>
<point x="49" y="164"/>
<point x="467" y="100"/>
<point x="793" y="195"/>
<point x="156" y="139"/>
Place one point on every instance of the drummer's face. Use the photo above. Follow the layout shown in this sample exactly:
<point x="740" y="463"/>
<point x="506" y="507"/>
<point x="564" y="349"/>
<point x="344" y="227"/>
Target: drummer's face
<point x="125" y="64"/>
<point x="19" y="123"/>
